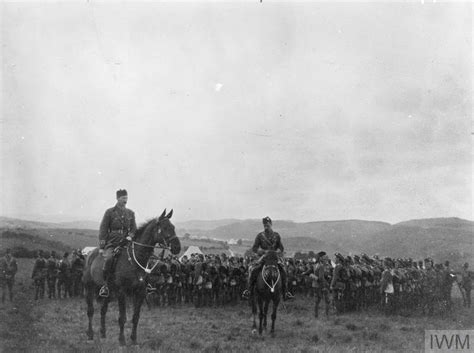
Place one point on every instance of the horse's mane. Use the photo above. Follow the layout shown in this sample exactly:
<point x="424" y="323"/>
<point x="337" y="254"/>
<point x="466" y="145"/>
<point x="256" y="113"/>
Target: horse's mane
<point x="144" y="226"/>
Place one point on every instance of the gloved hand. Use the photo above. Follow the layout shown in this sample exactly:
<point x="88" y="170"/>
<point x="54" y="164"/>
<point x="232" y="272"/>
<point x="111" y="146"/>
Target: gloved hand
<point x="101" y="251"/>
<point x="129" y="238"/>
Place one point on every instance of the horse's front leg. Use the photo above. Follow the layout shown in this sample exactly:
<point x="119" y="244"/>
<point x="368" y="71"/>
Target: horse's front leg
<point x="103" y="312"/>
<point x="138" y="298"/>
<point x="90" y="310"/>
<point x="254" y="313"/>
<point x="261" y="313"/>
<point x="265" y="314"/>
<point x="274" y="314"/>
<point x="122" y="316"/>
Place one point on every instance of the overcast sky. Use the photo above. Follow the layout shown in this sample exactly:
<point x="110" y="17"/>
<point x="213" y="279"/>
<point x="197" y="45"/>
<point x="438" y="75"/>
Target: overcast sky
<point x="308" y="111"/>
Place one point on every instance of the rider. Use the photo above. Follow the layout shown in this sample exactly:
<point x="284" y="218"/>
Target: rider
<point x="267" y="240"/>
<point x="117" y="225"/>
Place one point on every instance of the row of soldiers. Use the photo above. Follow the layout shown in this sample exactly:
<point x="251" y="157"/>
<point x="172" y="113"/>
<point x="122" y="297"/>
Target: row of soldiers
<point x="61" y="275"/>
<point x="347" y="284"/>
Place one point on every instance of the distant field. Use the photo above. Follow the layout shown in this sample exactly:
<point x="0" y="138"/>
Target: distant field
<point x="59" y="326"/>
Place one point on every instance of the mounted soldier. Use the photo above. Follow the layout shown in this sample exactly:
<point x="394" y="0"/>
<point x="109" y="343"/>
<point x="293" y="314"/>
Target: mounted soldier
<point x="267" y="240"/>
<point x="118" y="225"/>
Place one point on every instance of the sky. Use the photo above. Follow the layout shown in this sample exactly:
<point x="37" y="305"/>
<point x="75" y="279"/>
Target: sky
<point x="299" y="111"/>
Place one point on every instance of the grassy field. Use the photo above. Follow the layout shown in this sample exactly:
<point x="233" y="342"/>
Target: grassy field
<point x="60" y="325"/>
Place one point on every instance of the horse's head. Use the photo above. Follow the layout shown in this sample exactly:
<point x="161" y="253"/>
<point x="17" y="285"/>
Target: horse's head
<point x="165" y="234"/>
<point x="160" y="231"/>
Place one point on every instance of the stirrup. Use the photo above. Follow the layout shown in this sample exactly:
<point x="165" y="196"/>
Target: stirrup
<point x="246" y="294"/>
<point x="104" y="291"/>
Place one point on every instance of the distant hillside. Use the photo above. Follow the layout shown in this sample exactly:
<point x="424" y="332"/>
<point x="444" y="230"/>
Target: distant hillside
<point x="441" y="243"/>
<point x="7" y="222"/>
<point x="92" y="225"/>
<point x="16" y="240"/>
<point x="204" y="225"/>
<point x="330" y="231"/>
<point x="441" y="238"/>
<point x="438" y="222"/>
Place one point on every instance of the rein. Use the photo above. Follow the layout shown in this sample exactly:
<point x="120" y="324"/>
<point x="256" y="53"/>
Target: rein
<point x="272" y="287"/>
<point x="147" y="267"/>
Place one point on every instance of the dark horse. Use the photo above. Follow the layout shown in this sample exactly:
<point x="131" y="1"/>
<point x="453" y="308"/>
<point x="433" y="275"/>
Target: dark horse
<point x="267" y="289"/>
<point x="132" y="266"/>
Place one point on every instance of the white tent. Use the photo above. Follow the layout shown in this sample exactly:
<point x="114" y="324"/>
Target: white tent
<point x="88" y="249"/>
<point x="191" y="250"/>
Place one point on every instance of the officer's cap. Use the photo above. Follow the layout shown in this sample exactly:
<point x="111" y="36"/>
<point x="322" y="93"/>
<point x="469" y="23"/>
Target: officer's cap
<point x="266" y="220"/>
<point x="121" y="192"/>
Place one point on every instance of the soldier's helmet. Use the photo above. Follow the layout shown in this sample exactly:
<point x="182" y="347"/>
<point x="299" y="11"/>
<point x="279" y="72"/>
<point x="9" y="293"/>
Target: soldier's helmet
<point x="339" y="257"/>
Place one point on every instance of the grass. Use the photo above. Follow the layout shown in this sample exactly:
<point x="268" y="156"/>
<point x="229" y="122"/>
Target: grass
<point x="60" y="325"/>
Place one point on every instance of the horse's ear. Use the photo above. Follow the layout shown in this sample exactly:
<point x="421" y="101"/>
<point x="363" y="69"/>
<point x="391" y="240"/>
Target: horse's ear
<point x="163" y="214"/>
<point x="170" y="214"/>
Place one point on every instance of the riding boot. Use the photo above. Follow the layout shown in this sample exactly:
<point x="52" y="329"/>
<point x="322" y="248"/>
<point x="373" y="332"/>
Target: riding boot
<point x="248" y="292"/>
<point x="104" y="290"/>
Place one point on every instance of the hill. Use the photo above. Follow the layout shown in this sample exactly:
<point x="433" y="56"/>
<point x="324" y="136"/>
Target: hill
<point x="8" y="222"/>
<point x="25" y="244"/>
<point x="452" y="222"/>
<point x="196" y="225"/>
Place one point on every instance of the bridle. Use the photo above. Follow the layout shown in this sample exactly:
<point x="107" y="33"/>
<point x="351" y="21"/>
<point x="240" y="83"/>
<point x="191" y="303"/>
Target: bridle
<point x="150" y="266"/>
<point x="274" y="283"/>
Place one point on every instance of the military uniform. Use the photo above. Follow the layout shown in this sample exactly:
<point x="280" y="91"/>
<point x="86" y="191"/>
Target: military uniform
<point x="466" y="284"/>
<point x="52" y="275"/>
<point x="39" y="276"/>
<point x="318" y="274"/>
<point x="267" y="240"/>
<point x="117" y="225"/>
<point x="8" y="269"/>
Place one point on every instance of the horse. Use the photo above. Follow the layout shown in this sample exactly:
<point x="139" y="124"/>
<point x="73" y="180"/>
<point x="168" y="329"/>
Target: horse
<point x="132" y="266"/>
<point x="267" y="289"/>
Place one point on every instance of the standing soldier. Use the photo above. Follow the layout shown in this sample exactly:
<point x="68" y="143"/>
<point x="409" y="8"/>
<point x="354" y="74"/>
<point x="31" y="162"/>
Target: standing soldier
<point x="429" y="287"/>
<point x="64" y="276"/>
<point x="39" y="275"/>
<point x="321" y="287"/>
<point x="52" y="275"/>
<point x="267" y="240"/>
<point x="466" y="284"/>
<point x="117" y="225"/>
<point x="339" y="283"/>
<point x="77" y="266"/>
<point x="387" y="290"/>
<point x="8" y="269"/>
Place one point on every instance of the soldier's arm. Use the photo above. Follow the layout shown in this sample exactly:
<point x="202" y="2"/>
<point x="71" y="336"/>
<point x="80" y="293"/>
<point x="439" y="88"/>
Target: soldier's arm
<point x="104" y="229"/>
<point x="279" y="245"/>
<point x="14" y="267"/>
<point x="335" y="276"/>
<point x="34" y="269"/>
<point x="133" y="226"/>
<point x="256" y="244"/>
